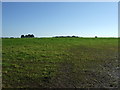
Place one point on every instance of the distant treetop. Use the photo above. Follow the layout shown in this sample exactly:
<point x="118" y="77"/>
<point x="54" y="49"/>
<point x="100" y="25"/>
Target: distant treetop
<point x="65" y="36"/>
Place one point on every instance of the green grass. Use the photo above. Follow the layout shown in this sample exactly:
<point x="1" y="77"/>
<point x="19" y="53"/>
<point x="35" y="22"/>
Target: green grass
<point x="56" y="62"/>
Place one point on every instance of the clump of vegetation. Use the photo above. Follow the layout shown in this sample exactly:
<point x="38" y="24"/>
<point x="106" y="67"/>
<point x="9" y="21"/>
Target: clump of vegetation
<point x="95" y="36"/>
<point x="27" y="36"/>
<point x="66" y="36"/>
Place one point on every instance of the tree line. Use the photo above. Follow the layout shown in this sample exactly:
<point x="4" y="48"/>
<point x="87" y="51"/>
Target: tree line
<point x="27" y="36"/>
<point x="32" y="36"/>
<point x="65" y="36"/>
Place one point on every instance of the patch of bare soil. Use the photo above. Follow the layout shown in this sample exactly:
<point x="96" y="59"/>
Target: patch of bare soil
<point x="65" y="77"/>
<point x="104" y="76"/>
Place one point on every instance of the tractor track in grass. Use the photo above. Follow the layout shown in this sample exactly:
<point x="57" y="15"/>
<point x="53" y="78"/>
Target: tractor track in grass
<point x="64" y="78"/>
<point x="105" y="75"/>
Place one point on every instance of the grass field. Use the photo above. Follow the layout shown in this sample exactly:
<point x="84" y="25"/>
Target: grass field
<point x="59" y="62"/>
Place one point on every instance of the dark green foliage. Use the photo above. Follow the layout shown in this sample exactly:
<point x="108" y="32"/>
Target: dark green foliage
<point x="27" y="36"/>
<point x="66" y="36"/>
<point x="22" y="36"/>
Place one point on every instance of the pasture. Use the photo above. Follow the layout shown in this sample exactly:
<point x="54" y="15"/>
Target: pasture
<point x="59" y="62"/>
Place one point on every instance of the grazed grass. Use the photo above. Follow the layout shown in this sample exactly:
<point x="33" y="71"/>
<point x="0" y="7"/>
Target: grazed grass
<point x="58" y="62"/>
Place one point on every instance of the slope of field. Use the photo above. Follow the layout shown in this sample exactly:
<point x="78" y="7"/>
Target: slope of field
<point x="59" y="62"/>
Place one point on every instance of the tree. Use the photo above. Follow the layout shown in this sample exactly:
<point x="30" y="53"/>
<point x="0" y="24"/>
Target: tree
<point x="95" y="36"/>
<point x="22" y="36"/>
<point x="32" y="35"/>
<point x="26" y="36"/>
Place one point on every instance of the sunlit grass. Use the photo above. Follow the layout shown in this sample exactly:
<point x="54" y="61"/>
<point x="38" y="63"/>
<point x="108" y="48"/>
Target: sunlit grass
<point x="38" y="60"/>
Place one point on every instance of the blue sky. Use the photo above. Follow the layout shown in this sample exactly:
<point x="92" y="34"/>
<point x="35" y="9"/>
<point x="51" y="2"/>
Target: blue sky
<point x="46" y="19"/>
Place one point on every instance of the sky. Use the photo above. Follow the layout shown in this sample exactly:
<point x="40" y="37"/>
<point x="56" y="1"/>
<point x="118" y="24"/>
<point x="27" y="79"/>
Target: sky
<point x="47" y="19"/>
